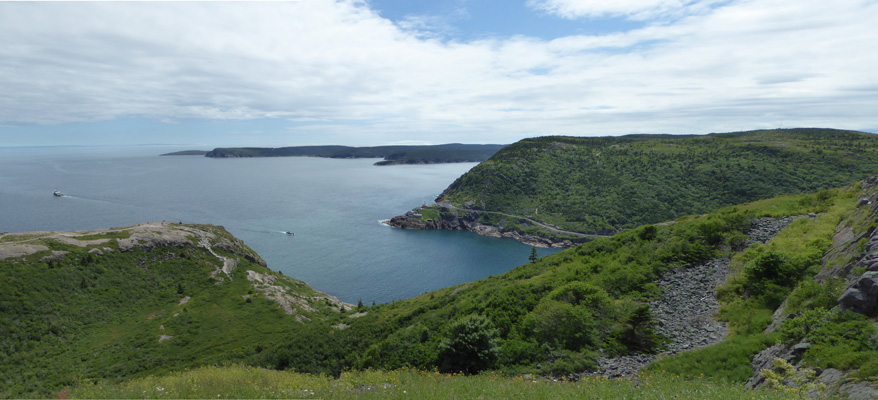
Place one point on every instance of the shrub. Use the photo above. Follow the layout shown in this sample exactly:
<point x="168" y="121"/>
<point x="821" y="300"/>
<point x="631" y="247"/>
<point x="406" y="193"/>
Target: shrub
<point x="561" y="325"/>
<point x="472" y="346"/>
<point x="566" y="362"/>
<point x="583" y="294"/>
<point x="771" y="275"/>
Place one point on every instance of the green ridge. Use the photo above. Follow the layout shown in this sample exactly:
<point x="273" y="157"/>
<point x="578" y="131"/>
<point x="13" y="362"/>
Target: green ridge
<point x="603" y="184"/>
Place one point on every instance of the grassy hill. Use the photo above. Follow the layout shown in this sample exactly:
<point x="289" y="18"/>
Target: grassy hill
<point x="601" y="184"/>
<point x="126" y="302"/>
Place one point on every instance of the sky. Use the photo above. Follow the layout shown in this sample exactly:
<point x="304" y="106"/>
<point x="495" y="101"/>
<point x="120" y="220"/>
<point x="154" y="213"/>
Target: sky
<point x="372" y="72"/>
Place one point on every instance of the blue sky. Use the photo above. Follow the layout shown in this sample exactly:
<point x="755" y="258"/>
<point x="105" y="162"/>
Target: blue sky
<point x="210" y="74"/>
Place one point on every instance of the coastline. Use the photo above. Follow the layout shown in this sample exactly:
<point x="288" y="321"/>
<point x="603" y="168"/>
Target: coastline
<point x="450" y="219"/>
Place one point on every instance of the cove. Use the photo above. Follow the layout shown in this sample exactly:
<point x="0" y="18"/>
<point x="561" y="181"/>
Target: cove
<point x="333" y="206"/>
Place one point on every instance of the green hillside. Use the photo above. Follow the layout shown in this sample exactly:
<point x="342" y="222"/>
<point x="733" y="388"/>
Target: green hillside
<point x="602" y="184"/>
<point x="127" y="302"/>
<point x="98" y="321"/>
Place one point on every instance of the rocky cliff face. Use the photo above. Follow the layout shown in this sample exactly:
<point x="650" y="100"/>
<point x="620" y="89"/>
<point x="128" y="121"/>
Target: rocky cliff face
<point x="455" y="220"/>
<point x="853" y="258"/>
<point x="146" y="236"/>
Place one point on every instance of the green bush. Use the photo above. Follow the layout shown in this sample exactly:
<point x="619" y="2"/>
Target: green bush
<point x="518" y="351"/>
<point x="472" y="346"/>
<point x="565" y="362"/>
<point x="583" y="294"/>
<point x="561" y="325"/>
<point x="771" y="275"/>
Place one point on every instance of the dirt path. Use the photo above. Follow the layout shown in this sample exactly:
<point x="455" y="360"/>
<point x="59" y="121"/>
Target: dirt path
<point x="229" y="264"/>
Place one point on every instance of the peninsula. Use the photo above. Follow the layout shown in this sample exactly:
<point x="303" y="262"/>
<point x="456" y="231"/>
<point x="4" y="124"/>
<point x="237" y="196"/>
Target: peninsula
<point x="553" y="190"/>
<point x="392" y="155"/>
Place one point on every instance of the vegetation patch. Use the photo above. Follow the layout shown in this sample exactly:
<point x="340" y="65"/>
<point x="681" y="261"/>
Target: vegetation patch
<point x="243" y="382"/>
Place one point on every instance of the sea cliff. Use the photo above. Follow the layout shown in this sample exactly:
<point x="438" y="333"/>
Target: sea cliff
<point x="450" y="218"/>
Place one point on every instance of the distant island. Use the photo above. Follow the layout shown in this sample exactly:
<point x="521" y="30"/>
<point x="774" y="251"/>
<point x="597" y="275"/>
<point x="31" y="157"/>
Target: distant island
<point x="187" y="153"/>
<point x="392" y="155"/>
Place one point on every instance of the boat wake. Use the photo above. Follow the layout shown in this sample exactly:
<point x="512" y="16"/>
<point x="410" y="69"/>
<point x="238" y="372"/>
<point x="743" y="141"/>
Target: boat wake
<point x="289" y="233"/>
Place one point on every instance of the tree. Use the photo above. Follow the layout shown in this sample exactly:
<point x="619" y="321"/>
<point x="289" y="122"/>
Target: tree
<point x="472" y="346"/>
<point x="533" y="254"/>
<point x="638" y="333"/>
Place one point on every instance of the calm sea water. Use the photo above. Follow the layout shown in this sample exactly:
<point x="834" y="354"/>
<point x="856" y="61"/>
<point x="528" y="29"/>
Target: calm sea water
<point x="333" y="206"/>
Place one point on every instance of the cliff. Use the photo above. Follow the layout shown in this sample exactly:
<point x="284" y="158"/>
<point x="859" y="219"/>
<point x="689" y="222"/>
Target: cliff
<point x="451" y="218"/>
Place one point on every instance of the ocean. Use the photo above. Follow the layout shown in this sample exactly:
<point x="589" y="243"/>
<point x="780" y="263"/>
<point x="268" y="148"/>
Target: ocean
<point x="334" y="207"/>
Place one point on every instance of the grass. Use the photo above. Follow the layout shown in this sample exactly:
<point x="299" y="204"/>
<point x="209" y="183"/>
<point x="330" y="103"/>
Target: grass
<point x="727" y="361"/>
<point x="237" y="381"/>
<point x="430" y="213"/>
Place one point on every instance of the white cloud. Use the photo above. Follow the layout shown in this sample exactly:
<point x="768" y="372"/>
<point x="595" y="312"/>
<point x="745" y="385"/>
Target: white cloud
<point x="633" y="9"/>
<point x="745" y="64"/>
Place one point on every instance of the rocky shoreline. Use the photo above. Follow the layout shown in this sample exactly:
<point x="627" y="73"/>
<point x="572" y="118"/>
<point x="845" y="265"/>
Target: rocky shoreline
<point x="454" y="220"/>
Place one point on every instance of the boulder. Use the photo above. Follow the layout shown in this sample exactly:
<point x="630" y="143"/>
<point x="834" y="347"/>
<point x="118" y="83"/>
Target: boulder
<point x="862" y="296"/>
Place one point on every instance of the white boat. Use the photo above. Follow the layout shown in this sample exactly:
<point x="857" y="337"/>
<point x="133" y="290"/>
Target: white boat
<point x="58" y="194"/>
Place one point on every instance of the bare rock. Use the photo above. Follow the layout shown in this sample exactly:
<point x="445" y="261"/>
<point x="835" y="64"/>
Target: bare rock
<point x="862" y="296"/>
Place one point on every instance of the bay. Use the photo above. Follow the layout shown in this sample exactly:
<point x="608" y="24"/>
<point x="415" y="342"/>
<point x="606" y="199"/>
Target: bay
<point x="332" y="205"/>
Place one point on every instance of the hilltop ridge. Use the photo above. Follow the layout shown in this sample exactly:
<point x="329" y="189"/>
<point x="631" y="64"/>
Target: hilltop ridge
<point x="599" y="185"/>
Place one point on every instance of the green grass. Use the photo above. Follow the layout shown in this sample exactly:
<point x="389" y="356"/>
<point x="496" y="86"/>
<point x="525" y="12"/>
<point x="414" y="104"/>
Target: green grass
<point x="728" y="361"/>
<point x="252" y="383"/>
<point x="430" y="213"/>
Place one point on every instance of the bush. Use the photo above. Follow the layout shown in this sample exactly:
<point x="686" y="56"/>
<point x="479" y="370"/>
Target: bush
<point x="772" y="273"/>
<point x="583" y="294"/>
<point x="517" y="351"/>
<point x="471" y="346"/>
<point x="568" y="362"/>
<point x="560" y="325"/>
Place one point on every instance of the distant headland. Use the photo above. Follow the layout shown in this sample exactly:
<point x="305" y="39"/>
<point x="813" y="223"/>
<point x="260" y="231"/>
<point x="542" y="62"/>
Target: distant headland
<point x="392" y="155"/>
<point x="187" y="153"/>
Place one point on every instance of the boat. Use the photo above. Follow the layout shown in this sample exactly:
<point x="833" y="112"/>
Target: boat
<point x="290" y="233"/>
<point x="58" y="194"/>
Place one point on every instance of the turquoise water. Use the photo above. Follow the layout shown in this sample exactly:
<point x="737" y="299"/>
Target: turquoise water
<point x="333" y="206"/>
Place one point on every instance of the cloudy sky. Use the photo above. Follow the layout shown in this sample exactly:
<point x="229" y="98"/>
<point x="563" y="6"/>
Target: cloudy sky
<point x="366" y="72"/>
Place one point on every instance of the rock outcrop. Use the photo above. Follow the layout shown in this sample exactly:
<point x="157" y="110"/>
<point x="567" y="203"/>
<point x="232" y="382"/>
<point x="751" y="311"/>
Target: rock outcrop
<point x="459" y="220"/>
<point x="862" y="296"/>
